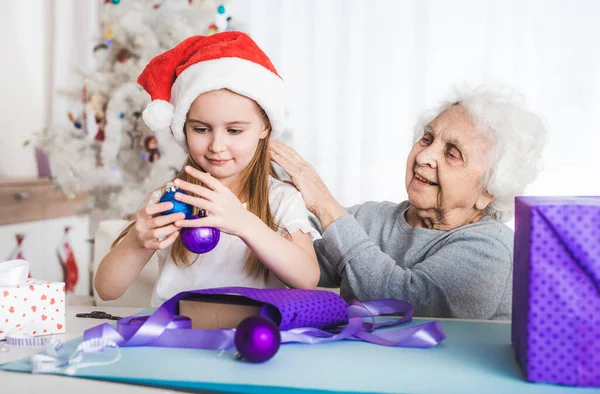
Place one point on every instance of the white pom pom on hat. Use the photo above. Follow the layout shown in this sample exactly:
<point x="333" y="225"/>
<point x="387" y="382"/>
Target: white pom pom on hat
<point x="229" y="60"/>
<point x="158" y="115"/>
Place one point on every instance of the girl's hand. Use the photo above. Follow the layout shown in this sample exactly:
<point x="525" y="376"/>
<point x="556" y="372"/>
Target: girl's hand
<point x="224" y="210"/>
<point x="154" y="231"/>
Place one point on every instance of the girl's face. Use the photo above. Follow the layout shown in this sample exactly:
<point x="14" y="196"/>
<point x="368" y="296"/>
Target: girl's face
<point x="223" y="130"/>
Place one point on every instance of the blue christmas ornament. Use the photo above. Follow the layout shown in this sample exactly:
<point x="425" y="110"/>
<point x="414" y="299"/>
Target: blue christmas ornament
<point x="116" y="1"/>
<point x="178" y="206"/>
<point x="221" y="10"/>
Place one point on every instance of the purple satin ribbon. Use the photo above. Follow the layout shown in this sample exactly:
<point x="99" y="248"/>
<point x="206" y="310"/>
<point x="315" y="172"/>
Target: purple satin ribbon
<point x="164" y="328"/>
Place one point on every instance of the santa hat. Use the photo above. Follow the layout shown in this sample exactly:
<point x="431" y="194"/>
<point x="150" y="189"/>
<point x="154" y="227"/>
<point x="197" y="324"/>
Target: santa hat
<point x="229" y="60"/>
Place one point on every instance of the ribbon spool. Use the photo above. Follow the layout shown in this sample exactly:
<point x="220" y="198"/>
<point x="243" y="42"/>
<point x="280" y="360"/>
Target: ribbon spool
<point x="18" y="338"/>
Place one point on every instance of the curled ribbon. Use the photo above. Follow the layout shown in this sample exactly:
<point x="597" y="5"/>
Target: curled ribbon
<point x="58" y="359"/>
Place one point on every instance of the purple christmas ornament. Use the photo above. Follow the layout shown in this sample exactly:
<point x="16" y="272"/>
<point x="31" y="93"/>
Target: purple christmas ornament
<point x="256" y="339"/>
<point x="199" y="239"/>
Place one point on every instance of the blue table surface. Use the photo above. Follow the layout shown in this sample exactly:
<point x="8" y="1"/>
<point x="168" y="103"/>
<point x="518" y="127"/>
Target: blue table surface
<point x="476" y="357"/>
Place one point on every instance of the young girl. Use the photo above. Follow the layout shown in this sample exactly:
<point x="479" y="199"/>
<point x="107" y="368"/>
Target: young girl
<point x="226" y="101"/>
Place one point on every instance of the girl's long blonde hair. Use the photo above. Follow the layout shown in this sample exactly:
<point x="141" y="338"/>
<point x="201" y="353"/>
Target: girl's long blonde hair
<point x="254" y="182"/>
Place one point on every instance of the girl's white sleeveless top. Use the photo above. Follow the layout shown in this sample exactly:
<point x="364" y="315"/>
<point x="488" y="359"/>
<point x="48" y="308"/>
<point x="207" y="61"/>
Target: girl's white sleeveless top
<point x="223" y="266"/>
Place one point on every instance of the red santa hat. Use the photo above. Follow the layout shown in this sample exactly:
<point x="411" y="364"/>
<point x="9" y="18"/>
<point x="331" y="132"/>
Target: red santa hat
<point x="229" y="60"/>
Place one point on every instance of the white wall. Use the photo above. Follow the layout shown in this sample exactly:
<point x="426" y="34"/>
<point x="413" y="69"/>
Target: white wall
<point x="46" y="43"/>
<point x="24" y="79"/>
<point x="358" y="72"/>
<point x="40" y="245"/>
<point x="400" y="56"/>
<point x="43" y="42"/>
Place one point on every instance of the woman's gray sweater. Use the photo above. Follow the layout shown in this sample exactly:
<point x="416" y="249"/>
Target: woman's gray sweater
<point x="373" y="253"/>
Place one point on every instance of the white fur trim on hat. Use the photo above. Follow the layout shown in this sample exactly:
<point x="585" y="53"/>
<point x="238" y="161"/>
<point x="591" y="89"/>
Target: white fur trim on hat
<point x="158" y="115"/>
<point x="238" y="75"/>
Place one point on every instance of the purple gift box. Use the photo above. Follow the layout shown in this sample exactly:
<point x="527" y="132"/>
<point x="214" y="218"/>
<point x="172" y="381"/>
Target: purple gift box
<point x="556" y="289"/>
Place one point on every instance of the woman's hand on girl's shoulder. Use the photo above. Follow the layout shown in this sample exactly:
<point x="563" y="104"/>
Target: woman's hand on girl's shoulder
<point x="302" y="175"/>
<point x="155" y="231"/>
<point x="223" y="209"/>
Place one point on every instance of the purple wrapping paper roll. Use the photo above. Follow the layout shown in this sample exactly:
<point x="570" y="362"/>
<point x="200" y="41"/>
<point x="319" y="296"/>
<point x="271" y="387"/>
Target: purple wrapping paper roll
<point x="296" y="308"/>
<point x="556" y="289"/>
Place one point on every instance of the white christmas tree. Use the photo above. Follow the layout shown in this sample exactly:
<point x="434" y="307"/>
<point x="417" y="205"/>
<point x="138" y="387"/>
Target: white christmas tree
<point x="106" y="149"/>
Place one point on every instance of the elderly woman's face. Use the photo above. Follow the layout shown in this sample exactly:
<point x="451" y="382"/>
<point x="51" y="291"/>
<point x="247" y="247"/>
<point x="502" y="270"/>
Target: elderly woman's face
<point x="445" y="167"/>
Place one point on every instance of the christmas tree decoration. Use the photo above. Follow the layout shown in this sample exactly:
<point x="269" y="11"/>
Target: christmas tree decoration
<point x="68" y="262"/>
<point x="257" y="339"/>
<point x="103" y="147"/>
<point x="76" y="122"/>
<point x="96" y="113"/>
<point x="152" y="153"/>
<point x="199" y="240"/>
<point x="100" y="46"/>
<point x="123" y="55"/>
<point x="230" y="24"/>
<point x="178" y="206"/>
<point x="109" y="33"/>
<point x="222" y="19"/>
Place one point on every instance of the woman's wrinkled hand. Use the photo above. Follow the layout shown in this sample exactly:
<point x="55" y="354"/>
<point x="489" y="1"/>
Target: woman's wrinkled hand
<point x="317" y="197"/>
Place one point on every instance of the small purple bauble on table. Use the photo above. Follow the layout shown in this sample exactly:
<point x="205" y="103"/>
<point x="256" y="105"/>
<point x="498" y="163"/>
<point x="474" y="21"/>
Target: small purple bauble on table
<point x="256" y="339"/>
<point x="199" y="239"/>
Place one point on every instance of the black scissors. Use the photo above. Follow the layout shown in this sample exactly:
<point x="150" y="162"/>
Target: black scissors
<point x="98" y="315"/>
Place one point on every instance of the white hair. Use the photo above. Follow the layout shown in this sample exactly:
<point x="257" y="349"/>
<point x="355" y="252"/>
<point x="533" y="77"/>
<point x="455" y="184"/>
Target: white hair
<point x="518" y="138"/>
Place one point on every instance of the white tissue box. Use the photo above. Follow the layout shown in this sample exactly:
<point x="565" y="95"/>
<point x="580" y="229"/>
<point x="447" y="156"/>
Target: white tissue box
<point x="33" y="308"/>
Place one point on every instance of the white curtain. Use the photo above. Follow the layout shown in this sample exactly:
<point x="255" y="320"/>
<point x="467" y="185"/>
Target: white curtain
<point x="73" y="31"/>
<point x="45" y="41"/>
<point x="359" y="72"/>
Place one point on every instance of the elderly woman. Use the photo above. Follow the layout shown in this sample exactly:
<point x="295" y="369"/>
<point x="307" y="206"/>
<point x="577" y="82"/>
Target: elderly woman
<point x="445" y="250"/>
